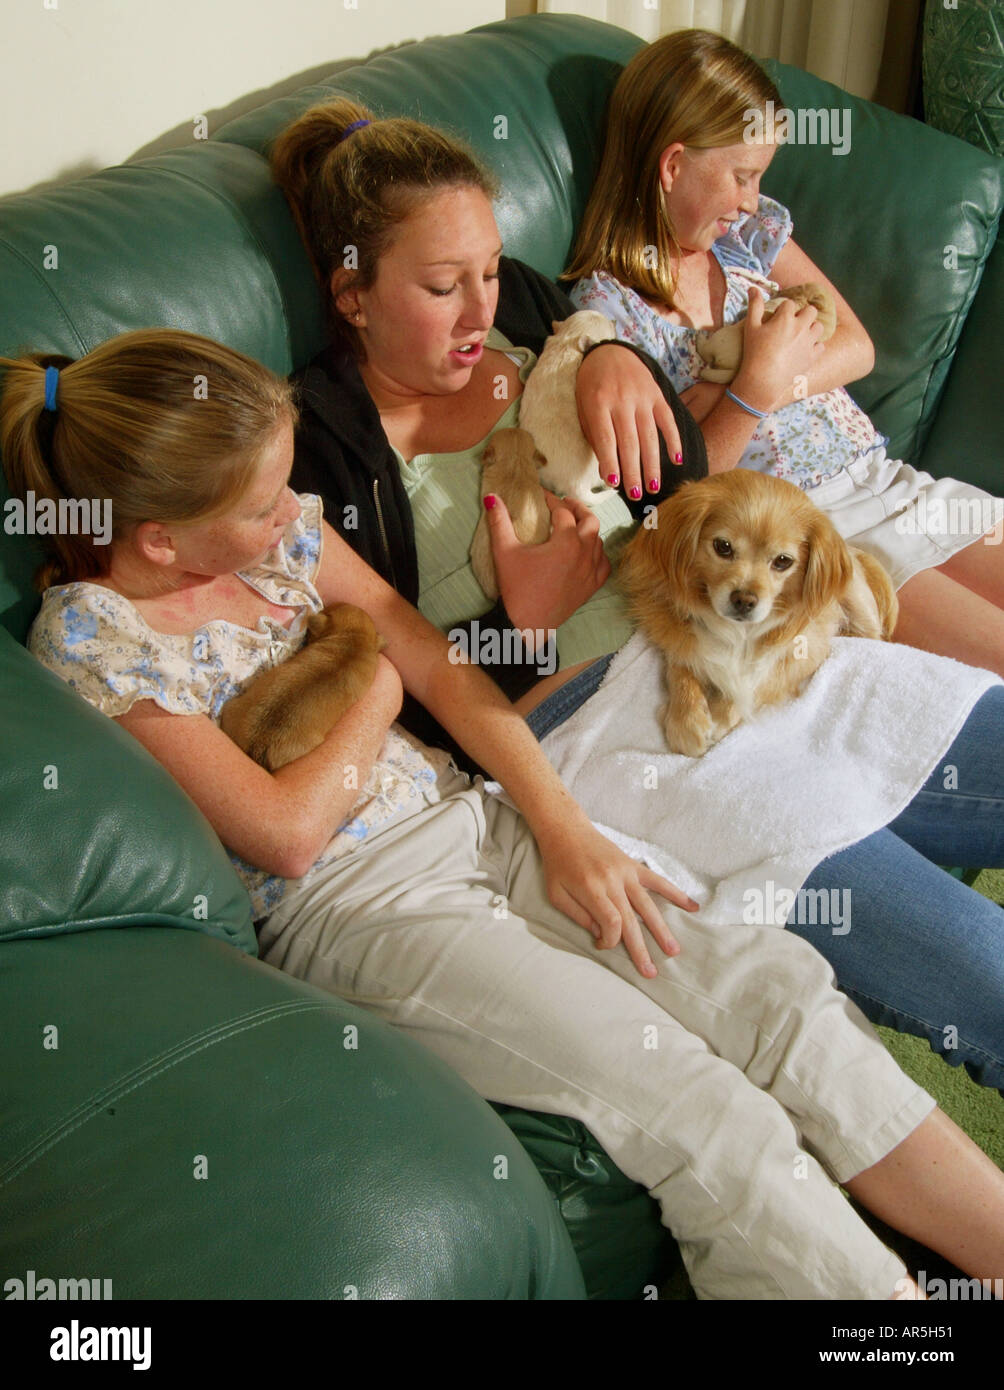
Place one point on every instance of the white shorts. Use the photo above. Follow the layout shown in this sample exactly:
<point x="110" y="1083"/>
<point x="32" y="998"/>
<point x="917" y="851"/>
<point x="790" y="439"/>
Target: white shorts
<point x="736" y="1086"/>
<point x="906" y="519"/>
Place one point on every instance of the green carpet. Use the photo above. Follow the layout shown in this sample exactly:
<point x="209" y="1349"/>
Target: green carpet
<point x="976" y="1109"/>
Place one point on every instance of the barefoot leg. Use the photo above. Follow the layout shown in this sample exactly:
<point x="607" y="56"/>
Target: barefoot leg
<point x="942" y="1190"/>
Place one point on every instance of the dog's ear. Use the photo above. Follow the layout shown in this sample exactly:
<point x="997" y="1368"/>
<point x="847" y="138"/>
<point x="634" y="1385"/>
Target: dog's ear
<point x="662" y="556"/>
<point x="829" y="567"/>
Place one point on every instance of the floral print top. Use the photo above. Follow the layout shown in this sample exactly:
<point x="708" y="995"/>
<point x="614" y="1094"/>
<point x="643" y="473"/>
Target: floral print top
<point x="804" y="442"/>
<point x="101" y="645"/>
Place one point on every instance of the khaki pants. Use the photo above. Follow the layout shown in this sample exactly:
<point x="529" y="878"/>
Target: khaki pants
<point x="726" y="1085"/>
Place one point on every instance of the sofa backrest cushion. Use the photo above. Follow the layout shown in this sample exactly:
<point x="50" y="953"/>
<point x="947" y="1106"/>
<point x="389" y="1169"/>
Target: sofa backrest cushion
<point x="903" y="224"/>
<point x="528" y="95"/>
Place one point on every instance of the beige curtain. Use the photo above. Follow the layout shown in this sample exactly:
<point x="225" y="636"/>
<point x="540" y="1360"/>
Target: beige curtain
<point x="865" y="46"/>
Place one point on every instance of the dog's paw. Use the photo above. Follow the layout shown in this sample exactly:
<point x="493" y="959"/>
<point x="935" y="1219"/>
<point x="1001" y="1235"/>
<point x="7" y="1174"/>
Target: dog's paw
<point x="692" y="736"/>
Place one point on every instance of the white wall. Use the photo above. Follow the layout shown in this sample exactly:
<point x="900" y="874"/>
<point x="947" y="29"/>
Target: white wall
<point x="88" y="83"/>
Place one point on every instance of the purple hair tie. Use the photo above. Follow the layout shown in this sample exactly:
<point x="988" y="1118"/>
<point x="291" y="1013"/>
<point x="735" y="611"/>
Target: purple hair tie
<point x="51" y="383"/>
<point x="356" y="125"/>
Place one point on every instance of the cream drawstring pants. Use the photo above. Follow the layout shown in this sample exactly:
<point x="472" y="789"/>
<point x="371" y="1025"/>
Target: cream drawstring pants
<point x="736" y="1086"/>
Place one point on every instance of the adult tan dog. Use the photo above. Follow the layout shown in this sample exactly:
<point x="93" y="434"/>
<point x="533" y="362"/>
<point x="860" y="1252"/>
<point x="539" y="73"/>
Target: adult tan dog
<point x="742" y="584"/>
<point x="288" y="710"/>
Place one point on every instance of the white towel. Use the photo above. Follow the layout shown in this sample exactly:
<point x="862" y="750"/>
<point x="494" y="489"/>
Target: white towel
<point x="743" y="826"/>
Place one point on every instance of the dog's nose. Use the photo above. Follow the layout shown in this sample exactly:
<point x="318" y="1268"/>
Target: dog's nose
<point x="743" y="602"/>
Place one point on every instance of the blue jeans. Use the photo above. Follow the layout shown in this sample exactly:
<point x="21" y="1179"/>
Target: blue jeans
<point x="924" y="953"/>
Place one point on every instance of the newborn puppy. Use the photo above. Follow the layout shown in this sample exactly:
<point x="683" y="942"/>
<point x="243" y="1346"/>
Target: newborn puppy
<point x="722" y="348"/>
<point x="287" y="711"/>
<point x="742" y="584"/>
<point x="509" y="469"/>
<point x="548" y="410"/>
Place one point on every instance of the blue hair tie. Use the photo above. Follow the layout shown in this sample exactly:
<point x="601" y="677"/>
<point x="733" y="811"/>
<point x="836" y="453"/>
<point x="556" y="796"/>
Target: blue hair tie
<point x="51" y="383"/>
<point x="356" y="125"/>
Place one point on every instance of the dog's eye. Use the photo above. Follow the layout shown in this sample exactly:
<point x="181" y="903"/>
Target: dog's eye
<point x="722" y="548"/>
<point x="783" y="562"/>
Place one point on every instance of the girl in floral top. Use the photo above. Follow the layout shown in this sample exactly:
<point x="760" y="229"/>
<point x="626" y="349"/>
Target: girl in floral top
<point x="428" y="900"/>
<point x="676" y="239"/>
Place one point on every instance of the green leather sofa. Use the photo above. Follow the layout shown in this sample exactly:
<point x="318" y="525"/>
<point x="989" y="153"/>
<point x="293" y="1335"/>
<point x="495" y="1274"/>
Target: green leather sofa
<point x="178" y="1117"/>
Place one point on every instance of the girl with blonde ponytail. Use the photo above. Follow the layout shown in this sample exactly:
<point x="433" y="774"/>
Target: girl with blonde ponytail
<point x="153" y="423"/>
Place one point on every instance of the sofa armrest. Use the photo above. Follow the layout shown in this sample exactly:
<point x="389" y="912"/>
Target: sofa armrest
<point x="189" y="1123"/>
<point x="967" y="438"/>
<point x="93" y="831"/>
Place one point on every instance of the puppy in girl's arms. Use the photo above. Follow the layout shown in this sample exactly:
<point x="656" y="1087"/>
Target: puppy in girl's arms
<point x="721" y="349"/>
<point x="287" y="711"/>
<point x="742" y="584"/>
<point x="548" y="409"/>
<point x="510" y="468"/>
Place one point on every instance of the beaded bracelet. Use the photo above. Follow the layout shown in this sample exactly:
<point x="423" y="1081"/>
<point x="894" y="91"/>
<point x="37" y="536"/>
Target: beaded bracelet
<point x="760" y="414"/>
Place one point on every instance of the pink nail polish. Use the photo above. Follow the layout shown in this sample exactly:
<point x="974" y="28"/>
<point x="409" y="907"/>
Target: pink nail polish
<point x="653" y="484"/>
<point x="613" y="479"/>
<point x="677" y="458"/>
<point x="635" y="493"/>
<point x="489" y="501"/>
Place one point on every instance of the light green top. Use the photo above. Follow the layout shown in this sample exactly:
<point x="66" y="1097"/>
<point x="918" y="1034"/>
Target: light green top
<point x="445" y="495"/>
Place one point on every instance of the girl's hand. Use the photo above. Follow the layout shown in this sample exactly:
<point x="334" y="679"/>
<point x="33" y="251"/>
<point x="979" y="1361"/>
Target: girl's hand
<point x="622" y="413"/>
<point x="701" y="398"/>
<point x="600" y="888"/>
<point x="777" y="354"/>
<point x="542" y="585"/>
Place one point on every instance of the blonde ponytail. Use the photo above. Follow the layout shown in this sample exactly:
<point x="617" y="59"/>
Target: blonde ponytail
<point x="160" y="424"/>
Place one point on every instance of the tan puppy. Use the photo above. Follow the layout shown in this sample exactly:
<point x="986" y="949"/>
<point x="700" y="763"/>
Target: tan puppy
<point x="510" y="469"/>
<point x="547" y="408"/>
<point x="287" y="711"/>
<point x="742" y="584"/>
<point x="722" y="348"/>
